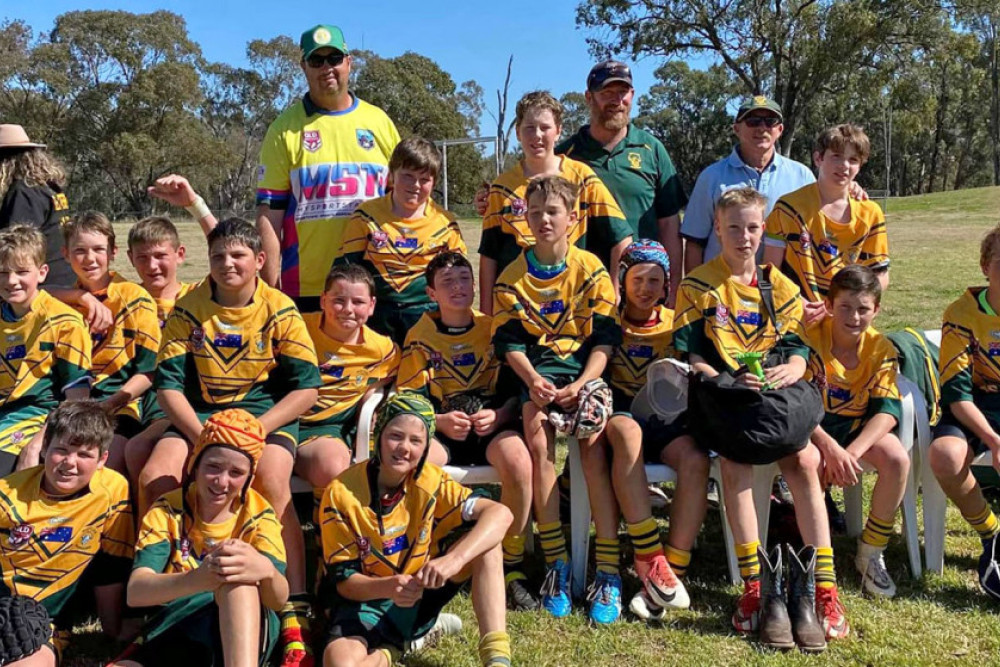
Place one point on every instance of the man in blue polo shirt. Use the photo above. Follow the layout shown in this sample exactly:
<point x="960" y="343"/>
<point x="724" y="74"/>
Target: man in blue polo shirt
<point x="754" y="162"/>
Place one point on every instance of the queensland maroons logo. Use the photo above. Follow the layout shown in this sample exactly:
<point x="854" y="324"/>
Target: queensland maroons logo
<point x="379" y="239"/>
<point x="721" y="314"/>
<point x="198" y="338"/>
<point x="311" y="141"/>
<point x="364" y="547"/>
<point x="20" y="534"/>
<point x="518" y="207"/>
<point x="805" y="240"/>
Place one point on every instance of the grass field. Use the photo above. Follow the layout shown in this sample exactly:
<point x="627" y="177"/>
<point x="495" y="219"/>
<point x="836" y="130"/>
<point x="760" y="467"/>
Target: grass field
<point x="936" y="620"/>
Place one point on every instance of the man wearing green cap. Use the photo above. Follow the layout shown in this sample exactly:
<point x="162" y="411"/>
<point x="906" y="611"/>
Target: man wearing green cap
<point x="322" y="157"/>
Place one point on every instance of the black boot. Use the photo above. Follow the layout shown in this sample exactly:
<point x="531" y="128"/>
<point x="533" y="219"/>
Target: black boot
<point x="775" y="626"/>
<point x="806" y="628"/>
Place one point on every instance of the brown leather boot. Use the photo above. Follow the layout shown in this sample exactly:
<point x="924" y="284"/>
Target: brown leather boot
<point x="775" y="626"/>
<point x="806" y="628"/>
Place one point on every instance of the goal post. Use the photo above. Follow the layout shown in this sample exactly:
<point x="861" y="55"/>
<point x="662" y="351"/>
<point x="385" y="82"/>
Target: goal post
<point x="443" y="145"/>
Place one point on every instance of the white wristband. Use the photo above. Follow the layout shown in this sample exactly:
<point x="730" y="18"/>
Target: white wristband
<point x="198" y="209"/>
<point x="468" y="507"/>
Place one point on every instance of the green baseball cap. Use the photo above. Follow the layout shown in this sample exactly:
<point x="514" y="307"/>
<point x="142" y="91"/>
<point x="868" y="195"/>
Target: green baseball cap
<point x="322" y="37"/>
<point x="758" y="103"/>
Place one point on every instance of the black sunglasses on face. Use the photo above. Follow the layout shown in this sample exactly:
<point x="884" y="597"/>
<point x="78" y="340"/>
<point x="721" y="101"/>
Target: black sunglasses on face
<point x="759" y="121"/>
<point x="334" y="59"/>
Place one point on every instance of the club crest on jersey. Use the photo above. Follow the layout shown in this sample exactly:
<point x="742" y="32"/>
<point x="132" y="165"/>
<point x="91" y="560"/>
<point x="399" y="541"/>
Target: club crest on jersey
<point x="16" y="437"/>
<point x="635" y="160"/>
<point x="311" y="141"/>
<point x="805" y="240"/>
<point x="86" y="538"/>
<point x="518" y="207"/>
<point x="853" y="255"/>
<point x="366" y="139"/>
<point x="721" y="314"/>
<point x="20" y="534"/>
<point x="437" y="361"/>
<point x="379" y="239"/>
<point x="198" y="338"/>
<point x="360" y="378"/>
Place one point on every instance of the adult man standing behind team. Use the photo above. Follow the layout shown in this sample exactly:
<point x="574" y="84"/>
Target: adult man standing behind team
<point x="322" y="157"/>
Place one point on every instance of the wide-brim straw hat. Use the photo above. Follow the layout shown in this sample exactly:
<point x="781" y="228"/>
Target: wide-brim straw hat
<point x="14" y="136"/>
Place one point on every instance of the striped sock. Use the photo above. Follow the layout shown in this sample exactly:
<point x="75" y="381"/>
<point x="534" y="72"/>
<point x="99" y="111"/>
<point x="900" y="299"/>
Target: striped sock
<point x="494" y="649"/>
<point x="645" y="537"/>
<point x="826" y="576"/>
<point x="553" y="542"/>
<point x="607" y="554"/>
<point x="746" y="554"/>
<point x="513" y="552"/>
<point x="679" y="560"/>
<point x="984" y="522"/>
<point x="294" y="618"/>
<point x="877" y="531"/>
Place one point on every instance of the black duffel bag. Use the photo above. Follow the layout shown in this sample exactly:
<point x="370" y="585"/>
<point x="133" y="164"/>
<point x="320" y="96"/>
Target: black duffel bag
<point x="750" y="426"/>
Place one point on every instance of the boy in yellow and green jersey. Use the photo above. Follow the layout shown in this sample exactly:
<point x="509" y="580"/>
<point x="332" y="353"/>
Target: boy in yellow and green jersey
<point x="555" y="324"/>
<point x="598" y="224"/>
<point x="397" y="235"/>
<point x="68" y="516"/>
<point x="449" y="358"/>
<point x="124" y="355"/>
<point x="855" y="367"/>
<point x="44" y="344"/>
<point x="970" y="403"/>
<point x="817" y="230"/>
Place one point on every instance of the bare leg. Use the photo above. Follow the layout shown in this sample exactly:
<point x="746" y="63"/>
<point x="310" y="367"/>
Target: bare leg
<point x="687" y="511"/>
<point x="801" y="472"/>
<point x="737" y="491"/>
<point x="239" y="624"/>
<point x="541" y="445"/>
<point x="509" y="455"/>
<point x="321" y="460"/>
<point x="603" y="506"/>
<point x="352" y="652"/>
<point x="893" y="465"/>
<point x="951" y="460"/>
<point x="273" y="481"/>
<point x="488" y="591"/>
<point x="163" y="472"/>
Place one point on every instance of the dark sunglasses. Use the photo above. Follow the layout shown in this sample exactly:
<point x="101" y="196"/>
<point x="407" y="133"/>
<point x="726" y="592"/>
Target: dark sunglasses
<point x="762" y="121"/>
<point x="317" y="61"/>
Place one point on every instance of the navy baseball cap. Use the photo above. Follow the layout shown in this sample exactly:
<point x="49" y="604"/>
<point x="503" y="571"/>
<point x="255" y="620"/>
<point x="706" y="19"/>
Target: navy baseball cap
<point x="608" y="72"/>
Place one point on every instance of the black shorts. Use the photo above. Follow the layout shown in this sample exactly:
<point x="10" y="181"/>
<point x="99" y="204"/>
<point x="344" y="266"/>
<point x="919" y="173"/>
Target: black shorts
<point x="285" y="437"/>
<point x="307" y="304"/>
<point x="127" y="427"/>
<point x="949" y="426"/>
<point x="472" y="450"/>
<point x="657" y="436"/>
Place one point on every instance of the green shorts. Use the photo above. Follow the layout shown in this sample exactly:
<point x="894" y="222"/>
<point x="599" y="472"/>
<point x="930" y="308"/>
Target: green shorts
<point x="286" y="437"/>
<point x="345" y="431"/>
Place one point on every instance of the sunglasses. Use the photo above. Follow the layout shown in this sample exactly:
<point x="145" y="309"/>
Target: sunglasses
<point x="762" y="121"/>
<point x="333" y="59"/>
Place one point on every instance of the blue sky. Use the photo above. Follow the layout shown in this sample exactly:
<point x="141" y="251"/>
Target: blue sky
<point x="470" y="40"/>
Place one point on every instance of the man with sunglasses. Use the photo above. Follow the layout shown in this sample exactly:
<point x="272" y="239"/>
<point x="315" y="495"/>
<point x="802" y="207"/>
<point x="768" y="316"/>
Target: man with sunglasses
<point x="322" y="157"/>
<point x="754" y="162"/>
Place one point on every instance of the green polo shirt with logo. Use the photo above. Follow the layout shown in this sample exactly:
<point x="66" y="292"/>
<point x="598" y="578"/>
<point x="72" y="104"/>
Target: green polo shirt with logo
<point x="639" y="173"/>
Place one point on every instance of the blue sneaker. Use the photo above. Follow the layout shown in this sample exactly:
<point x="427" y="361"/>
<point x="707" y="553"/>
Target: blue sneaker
<point x="605" y="597"/>
<point x="555" y="589"/>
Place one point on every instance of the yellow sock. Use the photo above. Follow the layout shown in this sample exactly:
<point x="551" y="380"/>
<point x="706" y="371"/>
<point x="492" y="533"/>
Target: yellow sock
<point x="984" y="522"/>
<point x="826" y="576"/>
<point x="494" y="649"/>
<point x="607" y="553"/>
<point x="746" y="554"/>
<point x="513" y="552"/>
<point x="645" y="537"/>
<point x="388" y="656"/>
<point x="877" y="531"/>
<point x="679" y="560"/>
<point x="553" y="542"/>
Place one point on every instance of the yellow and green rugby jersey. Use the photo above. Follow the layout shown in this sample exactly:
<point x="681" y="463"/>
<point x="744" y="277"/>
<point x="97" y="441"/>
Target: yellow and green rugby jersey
<point x="47" y="543"/>
<point x="970" y="352"/>
<point x="555" y="316"/>
<point x="42" y="354"/>
<point x="717" y="317"/>
<point x="441" y="362"/>
<point x="347" y="371"/>
<point x="641" y="345"/>
<point x="166" y="306"/>
<point x="317" y="166"/>
<point x="600" y="224"/>
<point x="851" y="396"/>
<point x="360" y="536"/>
<point x="129" y="347"/>
<point x="248" y="357"/>
<point x="396" y="252"/>
<point x="816" y="247"/>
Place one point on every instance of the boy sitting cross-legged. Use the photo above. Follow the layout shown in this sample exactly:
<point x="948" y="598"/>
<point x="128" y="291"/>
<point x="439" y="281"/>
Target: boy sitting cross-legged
<point x="45" y="346"/>
<point x="233" y="341"/>
<point x="720" y="314"/>
<point x="60" y="519"/>
<point x="555" y="324"/>
<point x="622" y="490"/>
<point x="855" y="368"/>
<point x="449" y="358"/>
<point x="970" y="403"/>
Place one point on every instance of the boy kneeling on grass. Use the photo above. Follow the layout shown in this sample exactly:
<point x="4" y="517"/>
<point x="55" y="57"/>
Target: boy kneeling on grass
<point x="970" y="404"/>
<point x="400" y="538"/>
<point x="855" y="367"/>
<point x="210" y="554"/>
<point x="720" y="315"/>
<point x="555" y="324"/>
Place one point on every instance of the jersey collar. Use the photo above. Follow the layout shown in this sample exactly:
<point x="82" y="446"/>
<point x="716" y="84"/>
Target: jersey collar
<point x="312" y="109"/>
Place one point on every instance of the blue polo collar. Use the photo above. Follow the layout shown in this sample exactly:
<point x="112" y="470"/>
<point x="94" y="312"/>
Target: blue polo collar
<point x="312" y="109"/>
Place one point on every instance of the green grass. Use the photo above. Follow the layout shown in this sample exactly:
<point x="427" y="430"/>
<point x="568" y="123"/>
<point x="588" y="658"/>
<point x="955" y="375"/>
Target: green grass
<point x="943" y="619"/>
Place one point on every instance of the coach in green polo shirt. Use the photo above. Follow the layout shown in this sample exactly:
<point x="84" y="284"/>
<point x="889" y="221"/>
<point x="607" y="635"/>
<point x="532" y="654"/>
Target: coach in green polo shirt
<point x="633" y="164"/>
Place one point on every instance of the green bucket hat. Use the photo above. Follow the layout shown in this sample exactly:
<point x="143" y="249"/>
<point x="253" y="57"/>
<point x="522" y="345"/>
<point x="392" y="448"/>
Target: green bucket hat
<point x="405" y="403"/>
<point x="322" y="37"/>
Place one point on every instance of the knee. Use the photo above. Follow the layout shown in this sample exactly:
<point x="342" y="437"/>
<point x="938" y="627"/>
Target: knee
<point x="515" y="464"/>
<point x="339" y="658"/>
<point x="538" y="446"/>
<point x="694" y="462"/>
<point x="897" y="461"/>
<point x="806" y="462"/>
<point x="945" y="459"/>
